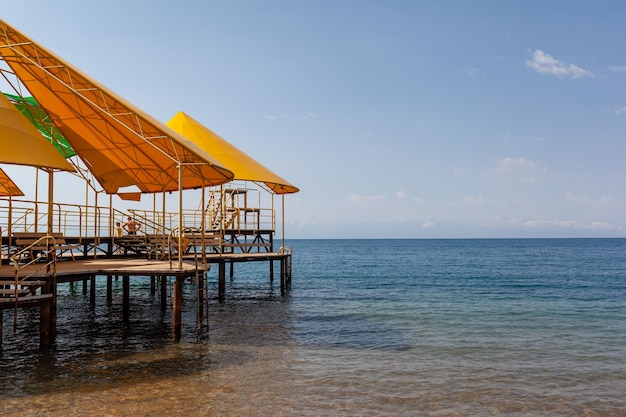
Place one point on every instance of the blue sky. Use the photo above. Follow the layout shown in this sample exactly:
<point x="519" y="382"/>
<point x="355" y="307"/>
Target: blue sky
<point x="412" y="119"/>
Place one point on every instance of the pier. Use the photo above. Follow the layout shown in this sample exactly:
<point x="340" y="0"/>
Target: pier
<point x="83" y="136"/>
<point x="34" y="284"/>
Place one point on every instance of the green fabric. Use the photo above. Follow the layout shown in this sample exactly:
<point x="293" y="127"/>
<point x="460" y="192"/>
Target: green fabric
<point x="29" y="107"/>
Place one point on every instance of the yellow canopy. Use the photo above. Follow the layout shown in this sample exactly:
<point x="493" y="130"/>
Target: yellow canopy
<point x="8" y="187"/>
<point x="22" y="144"/>
<point x="243" y="166"/>
<point x="121" y="145"/>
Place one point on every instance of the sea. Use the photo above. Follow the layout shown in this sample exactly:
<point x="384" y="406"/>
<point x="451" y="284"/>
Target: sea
<point x="406" y="327"/>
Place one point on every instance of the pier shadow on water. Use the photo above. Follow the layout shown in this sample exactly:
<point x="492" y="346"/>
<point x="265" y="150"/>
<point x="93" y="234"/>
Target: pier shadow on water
<point x="95" y="349"/>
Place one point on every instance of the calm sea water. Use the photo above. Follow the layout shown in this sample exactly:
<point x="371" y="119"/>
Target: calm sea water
<point x="369" y="328"/>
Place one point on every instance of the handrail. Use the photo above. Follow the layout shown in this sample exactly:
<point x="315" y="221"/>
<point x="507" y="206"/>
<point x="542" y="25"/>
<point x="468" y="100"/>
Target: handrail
<point x="244" y="214"/>
<point x="154" y="223"/>
<point x="50" y="250"/>
<point x="284" y="250"/>
<point x="50" y="265"/>
<point x="22" y="218"/>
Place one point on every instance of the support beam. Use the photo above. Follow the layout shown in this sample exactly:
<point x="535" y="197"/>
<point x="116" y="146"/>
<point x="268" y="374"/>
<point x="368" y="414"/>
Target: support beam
<point x="271" y="271"/>
<point x="125" y="297"/>
<point x="289" y="269"/>
<point x="282" y="275"/>
<point x="51" y="288"/>
<point x="177" y="308"/>
<point x="92" y="291"/>
<point x="221" y="285"/>
<point x="200" y="300"/>
<point x="163" y="292"/>
<point x="109" y="289"/>
<point x="44" y="324"/>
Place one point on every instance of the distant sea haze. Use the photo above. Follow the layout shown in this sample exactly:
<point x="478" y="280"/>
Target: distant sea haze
<point x="519" y="327"/>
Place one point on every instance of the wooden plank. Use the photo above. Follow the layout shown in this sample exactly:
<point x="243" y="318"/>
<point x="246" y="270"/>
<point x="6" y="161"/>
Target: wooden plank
<point x="25" y="300"/>
<point x="10" y="291"/>
<point x="36" y="283"/>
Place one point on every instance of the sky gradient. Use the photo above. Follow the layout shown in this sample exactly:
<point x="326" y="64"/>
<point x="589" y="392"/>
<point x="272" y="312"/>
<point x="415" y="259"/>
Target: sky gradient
<point x="409" y="119"/>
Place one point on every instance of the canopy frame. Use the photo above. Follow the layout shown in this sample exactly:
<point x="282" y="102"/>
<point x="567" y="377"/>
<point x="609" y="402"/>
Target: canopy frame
<point x="124" y="146"/>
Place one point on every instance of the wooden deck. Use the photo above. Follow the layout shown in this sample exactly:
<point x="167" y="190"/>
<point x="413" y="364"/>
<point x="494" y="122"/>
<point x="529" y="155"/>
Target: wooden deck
<point x="87" y="269"/>
<point x="68" y="269"/>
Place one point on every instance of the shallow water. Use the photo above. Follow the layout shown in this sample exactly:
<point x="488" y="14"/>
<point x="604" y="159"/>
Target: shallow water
<point x="369" y="328"/>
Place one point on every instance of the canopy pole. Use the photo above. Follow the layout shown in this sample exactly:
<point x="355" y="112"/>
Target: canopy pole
<point x="222" y="213"/>
<point x="163" y="212"/>
<point x="36" y="200"/>
<point x="111" y="216"/>
<point x="10" y="226"/>
<point x="154" y="222"/>
<point x="180" y="216"/>
<point x="203" y="225"/>
<point x="86" y="207"/>
<point x="162" y="226"/>
<point x="96" y="219"/>
<point x="50" y="198"/>
<point x="283" y="219"/>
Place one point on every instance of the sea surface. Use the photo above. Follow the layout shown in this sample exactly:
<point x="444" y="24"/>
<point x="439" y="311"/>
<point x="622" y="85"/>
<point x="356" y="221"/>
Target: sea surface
<point x="514" y="327"/>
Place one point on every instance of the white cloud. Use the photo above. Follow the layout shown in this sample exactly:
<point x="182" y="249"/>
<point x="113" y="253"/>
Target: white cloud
<point x="400" y="195"/>
<point x="602" y="225"/>
<point x="573" y="198"/>
<point x="620" y="110"/>
<point x="605" y="200"/>
<point x="473" y="199"/>
<point x="617" y="69"/>
<point x="522" y="168"/>
<point x="549" y="223"/>
<point x="546" y="64"/>
<point x="571" y="224"/>
<point x="365" y="198"/>
<point x="470" y="72"/>
<point x="458" y="172"/>
<point x="428" y="224"/>
<point x="272" y="117"/>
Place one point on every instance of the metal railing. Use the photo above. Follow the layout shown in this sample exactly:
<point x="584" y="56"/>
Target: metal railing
<point x="40" y="256"/>
<point x="237" y="210"/>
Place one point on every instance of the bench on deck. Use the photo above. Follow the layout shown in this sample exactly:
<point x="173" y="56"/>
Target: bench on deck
<point x="133" y="243"/>
<point x="32" y="243"/>
<point x="162" y="245"/>
<point x="207" y="242"/>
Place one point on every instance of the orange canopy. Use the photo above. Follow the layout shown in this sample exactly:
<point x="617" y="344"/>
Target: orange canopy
<point x="243" y="166"/>
<point x="8" y="187"/>
<point x="121" y="145"/>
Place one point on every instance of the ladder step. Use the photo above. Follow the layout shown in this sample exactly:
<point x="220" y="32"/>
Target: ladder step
<point x="36" y="283"/>
<point x="27" y="299"/>
<point x="11" y="291"/>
